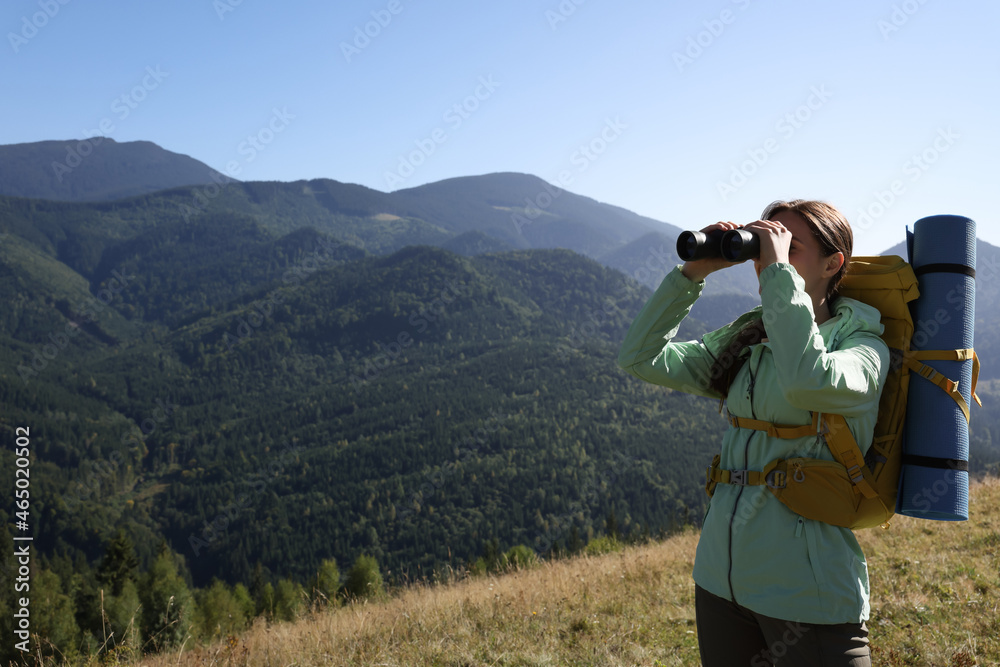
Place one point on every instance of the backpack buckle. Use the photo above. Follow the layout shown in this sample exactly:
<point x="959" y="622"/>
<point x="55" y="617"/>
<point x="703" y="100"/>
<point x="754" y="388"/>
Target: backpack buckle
<point x="822" y="427"/>
<point x="776" y="479"/>
<point x="738" y="477"/>
<point x="854" y="472"/>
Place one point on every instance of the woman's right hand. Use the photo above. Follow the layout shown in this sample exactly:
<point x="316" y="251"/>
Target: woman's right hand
<point x="697" y="270"/>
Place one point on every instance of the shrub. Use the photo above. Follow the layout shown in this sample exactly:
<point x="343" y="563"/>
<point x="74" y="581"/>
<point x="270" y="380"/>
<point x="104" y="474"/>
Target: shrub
<point x="602" y="545"/>
<point x="364" y="579"/>
<point x="326" y="583"/>
<point x="520" y="557"/>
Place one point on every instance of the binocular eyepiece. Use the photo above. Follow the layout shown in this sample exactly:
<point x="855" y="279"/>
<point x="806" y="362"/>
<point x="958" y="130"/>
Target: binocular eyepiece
<point x="734" y="245"/>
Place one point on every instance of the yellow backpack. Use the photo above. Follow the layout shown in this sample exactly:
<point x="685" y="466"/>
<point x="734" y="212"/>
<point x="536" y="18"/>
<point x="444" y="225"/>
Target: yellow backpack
<point x="855" y="490"/>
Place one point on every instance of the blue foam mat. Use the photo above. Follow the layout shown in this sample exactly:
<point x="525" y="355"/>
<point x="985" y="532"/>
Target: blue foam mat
<point x="943" y="319"/>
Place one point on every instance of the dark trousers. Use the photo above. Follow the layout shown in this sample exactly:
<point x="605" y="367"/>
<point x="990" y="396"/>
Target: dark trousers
<point x="732" y="636"/>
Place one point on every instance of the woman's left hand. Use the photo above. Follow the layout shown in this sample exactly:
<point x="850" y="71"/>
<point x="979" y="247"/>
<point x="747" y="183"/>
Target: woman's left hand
<point x="775" y="240"/>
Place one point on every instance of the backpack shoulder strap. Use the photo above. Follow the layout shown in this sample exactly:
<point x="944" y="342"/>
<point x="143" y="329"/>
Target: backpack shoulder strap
<point x="845" y="451"/>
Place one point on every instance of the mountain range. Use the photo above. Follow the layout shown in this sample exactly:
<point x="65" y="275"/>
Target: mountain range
<point x="267" y="374"/>
<point x="95" y="169"/>
<point x="467" y="215"/>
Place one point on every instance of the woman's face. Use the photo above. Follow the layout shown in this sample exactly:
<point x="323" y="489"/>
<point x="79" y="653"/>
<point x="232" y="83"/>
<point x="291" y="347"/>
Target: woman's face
<point x="805" y="254"/>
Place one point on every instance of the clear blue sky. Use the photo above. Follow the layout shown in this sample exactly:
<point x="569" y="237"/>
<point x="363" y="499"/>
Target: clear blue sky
<point x="689" y="112"/>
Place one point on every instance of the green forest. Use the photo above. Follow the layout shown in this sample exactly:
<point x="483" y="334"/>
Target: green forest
<point x="223" y="407"/>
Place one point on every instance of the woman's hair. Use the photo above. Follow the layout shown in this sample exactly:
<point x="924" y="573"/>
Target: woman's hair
<point x="833" y="232"/>
<point x="830" y="228"/>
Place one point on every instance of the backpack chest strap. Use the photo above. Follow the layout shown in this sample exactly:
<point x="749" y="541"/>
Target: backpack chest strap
<point x="781" y="431"/>
<point x="838" y="437"/>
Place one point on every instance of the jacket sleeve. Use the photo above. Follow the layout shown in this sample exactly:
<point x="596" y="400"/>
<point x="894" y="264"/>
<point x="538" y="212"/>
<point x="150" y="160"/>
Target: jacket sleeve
<point x="647" y="351"/>
<point x="846" y="381"/>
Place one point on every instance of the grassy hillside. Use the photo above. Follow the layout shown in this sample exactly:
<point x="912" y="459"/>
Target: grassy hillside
<point x="935" y="591"/>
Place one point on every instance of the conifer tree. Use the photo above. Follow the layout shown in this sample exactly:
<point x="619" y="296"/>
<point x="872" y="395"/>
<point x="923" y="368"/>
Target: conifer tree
<point x="327" y="582"/>
<point x="261" y="591"/>
<point x="167" y="604"/>
<point x="53" y="615"/>
<point x="245" y="601"/>
<point x="119" y="563"/>
<point x="121" y="620"/>
<point x="218" y="612"/>
<point x="288" y="600"/>
<point x="611" y="525"/>
<point x="364" y="579"/>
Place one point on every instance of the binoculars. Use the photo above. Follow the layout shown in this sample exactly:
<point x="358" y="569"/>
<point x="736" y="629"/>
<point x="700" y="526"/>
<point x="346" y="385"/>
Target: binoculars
<point x="734" y="245"/>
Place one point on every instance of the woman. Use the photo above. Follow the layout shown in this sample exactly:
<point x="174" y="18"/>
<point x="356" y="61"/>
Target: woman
<point x="773" y="587"/>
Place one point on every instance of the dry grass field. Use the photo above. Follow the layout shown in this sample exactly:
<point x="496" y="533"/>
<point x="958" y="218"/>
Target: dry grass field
<point x="935" y="596"/>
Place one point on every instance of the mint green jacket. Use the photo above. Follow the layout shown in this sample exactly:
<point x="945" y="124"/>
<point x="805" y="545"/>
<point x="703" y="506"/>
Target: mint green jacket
<point x="753" y="549"/>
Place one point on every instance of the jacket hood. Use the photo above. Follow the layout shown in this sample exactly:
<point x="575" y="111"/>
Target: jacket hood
<point x="852" y="316"/>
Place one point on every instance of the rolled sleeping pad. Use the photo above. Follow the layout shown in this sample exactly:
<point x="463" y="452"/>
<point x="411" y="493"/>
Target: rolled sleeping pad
<point x="934" y="483"/>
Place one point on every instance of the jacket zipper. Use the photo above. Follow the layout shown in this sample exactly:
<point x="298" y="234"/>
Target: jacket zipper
<point x="746" y="462"/>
